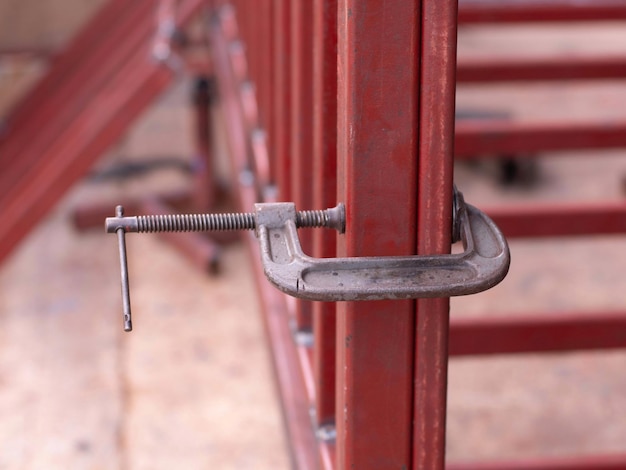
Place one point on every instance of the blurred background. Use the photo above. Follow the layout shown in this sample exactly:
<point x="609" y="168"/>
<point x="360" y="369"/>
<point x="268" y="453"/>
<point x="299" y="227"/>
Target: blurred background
<point x="192" y="386"/>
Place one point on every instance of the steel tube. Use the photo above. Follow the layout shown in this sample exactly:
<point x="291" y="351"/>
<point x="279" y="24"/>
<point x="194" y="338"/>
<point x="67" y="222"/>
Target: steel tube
<point x="504" y="69"/>
<point x="531" y="333"/>
<point x="434" y="225"/>
<point x="520" y="11"/>
<point x="378" y="50"/>
<point x="324" y="191"/>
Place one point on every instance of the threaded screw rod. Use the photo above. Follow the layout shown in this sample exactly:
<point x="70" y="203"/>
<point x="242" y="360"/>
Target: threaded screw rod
<point x="330" y="218"/>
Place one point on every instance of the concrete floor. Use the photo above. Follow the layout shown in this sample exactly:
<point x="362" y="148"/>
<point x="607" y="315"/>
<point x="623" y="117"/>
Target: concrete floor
<point x="192" y="387"/>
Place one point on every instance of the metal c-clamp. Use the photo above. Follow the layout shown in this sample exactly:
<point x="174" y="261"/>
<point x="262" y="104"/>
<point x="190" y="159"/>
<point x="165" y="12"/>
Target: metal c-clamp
<point x="483" y="263"/>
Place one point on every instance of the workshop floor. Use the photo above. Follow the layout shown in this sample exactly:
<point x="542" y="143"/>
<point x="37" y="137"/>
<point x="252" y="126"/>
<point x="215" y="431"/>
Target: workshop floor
<point x="192" y="386"/>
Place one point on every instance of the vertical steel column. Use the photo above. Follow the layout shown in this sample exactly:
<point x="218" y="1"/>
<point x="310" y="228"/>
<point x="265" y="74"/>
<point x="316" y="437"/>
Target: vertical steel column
<point x="282" y="99"/>
<point x="266" y="70"/>
<point x="324" y="195"/>
<point x="377" y="173"/>
<point x="301" y="33"/>
<point x="436" y="149"/>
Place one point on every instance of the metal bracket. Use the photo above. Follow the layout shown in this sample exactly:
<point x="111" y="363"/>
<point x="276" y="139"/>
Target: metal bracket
<point x="483" y="264"/>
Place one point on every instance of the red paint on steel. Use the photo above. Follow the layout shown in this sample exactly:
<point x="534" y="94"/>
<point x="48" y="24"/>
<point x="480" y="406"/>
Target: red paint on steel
<point x="286" y="357"/>
<point x="489" y="11"/>
<point x="558" y="220"/>
<point x="101" y="123"/>
<point x="301" y="33"/>
<point x="599" y="462"/>
<point x="479" y="138"/>
<point x="282" y="99"/>
<point x="79" y="48"/>
<point x="266" y="70"/>
<point x="102" y="120"/>
<point x="324" y="153"/>
<point x="504" y="69"/>
<point x="55" y="111"/>
<point x="434" y="222"/>
<point x="377" y="141"/>
<point x="554" y="331"/>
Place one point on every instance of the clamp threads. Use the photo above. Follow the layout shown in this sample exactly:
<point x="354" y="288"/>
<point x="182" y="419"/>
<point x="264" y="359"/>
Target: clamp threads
<point x="195" y="222"/>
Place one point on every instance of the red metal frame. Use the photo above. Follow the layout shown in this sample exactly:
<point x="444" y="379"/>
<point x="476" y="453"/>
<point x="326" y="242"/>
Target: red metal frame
<point x="557" y="331"/>
<point x="301" y="75"/>
<point x="490" y="11"/>
<point x="480" y="138"/>
<point x="378" y="74"/>
<point x="324" y="195"/>
<point x="381" y="130"/>
<point x="82" y="106"/>
<point x="504" y="69"/>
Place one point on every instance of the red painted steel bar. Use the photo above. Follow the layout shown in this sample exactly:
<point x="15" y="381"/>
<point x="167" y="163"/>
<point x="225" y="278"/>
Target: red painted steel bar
<point x="266" y="70"/>
<point x="559" y="220"/>
<point x="518" y="11"/>
<point x="434" y="225"/>
<point x="480" y="138"/>
<point x="52" y="114"/>
<point x="600" y="462"/>
<point x="549" y="332"/>
<point x="101" y="124"/>
<point x="377" y="157"/>
<point x="301" y="33"/>
<point x="79" y="47"/>
<point x="282" y="98"/>
<point x="324" y="195"/>
<point x="505" y="69"/>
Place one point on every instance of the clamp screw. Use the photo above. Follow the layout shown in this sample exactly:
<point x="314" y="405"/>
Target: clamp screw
<point x="330" y="218"/>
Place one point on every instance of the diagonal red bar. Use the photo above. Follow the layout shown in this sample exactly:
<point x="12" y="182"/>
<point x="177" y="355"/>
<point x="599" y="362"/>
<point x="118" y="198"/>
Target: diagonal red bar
<point x="519" y="11"/>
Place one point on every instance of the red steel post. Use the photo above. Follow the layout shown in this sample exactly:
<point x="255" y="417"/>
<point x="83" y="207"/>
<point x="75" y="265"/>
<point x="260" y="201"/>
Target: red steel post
<point x="324" y="195"/>
<point x="378" y="57"/>
<point x="434" y="222"/>
<point x="488" y="11"/>
<point x="301" y="33"/>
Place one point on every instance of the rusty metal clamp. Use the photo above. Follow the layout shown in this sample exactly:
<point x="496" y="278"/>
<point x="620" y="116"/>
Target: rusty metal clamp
<point x="483" y="264"/>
